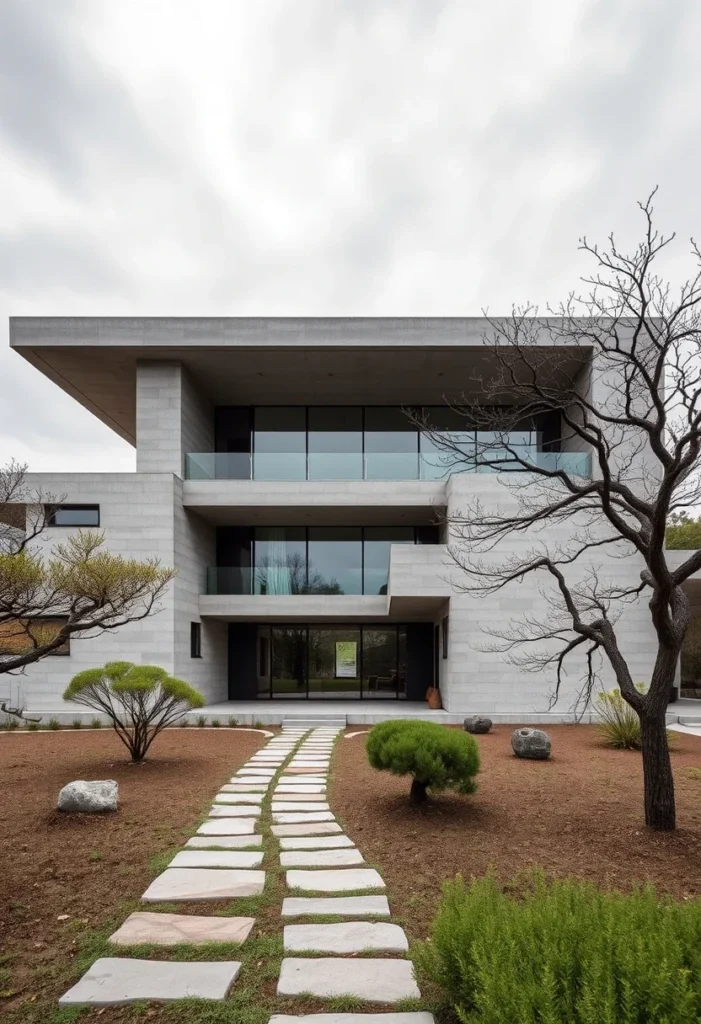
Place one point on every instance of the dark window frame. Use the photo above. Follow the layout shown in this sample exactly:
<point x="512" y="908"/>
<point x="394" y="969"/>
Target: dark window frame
<point x="444" y="627"/>
<point x="195" y="639"/>
<point x="53" y="510"/>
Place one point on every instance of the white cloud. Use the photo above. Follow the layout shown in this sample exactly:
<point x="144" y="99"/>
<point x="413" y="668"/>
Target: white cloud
<point x="322" y="157"/>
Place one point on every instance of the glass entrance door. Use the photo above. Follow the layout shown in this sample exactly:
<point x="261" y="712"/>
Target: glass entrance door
<point x="334" y="662"/>
<point x="288" y="662"/>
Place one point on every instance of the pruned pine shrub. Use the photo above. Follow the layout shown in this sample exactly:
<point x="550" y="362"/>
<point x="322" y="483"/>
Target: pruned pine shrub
<point x="138" y="700"/>
<point x="620" y="724"/>
<point x="565" y="951"/>
<point x="435" y="757"/>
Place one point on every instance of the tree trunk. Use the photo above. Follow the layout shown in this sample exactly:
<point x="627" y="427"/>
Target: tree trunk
<point x="418" y="792"/>
<point x="657" y="773"/>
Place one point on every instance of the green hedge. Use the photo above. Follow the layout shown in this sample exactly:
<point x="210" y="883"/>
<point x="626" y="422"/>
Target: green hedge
<point x="435" y="757"/>
<point x="565" y="952"/>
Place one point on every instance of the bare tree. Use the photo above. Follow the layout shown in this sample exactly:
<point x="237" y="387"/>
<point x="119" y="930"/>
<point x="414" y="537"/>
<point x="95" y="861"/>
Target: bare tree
<point x="618" y="369"/>
<point x="76" y="589"/>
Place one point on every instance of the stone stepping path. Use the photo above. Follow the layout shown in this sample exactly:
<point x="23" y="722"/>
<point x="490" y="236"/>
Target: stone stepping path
<point x="378" y="981"/>
<point x="228" y="827"/>
<point x="319" y="828"/>
<point x="204" y="884"/>
<point x="235" y="811"/>
<point x="238" y="798"/>
<point x="319" y="864"/>
<point x="347" y="937"/>
<point x="170" y="929"/>
<point x="113" y="981"/>
<point x="340" y="906"/>
<point x="217" y="859"/>
<point x="320" y="858"/>
<point x="335" y="881"/>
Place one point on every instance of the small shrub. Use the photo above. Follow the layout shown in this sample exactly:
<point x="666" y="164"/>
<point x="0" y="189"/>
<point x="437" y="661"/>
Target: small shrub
<point x="564" y="951"/>
<point x="183" y="723"/>
<point x="52" y="724"/>
<point x="258" y="724"/>
<point x="96" y="723"/>
<point x="215" y="723"/>
<point x="94" y="856"/>
<point x="435" y="757"/>
<point x="620" y="725"/>
<point x="139" y="700"/>
<point x="32" y="726"/>
<point x="201" y="721"/>
<point x="233" y="721"/>
<point x="11" y="724"/>
<point x="77" y="723"/>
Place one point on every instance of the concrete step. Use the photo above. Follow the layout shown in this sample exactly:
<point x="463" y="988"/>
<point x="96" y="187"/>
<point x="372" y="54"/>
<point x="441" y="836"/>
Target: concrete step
<point x="689" y="720"/>
<point x="317" y="722"/>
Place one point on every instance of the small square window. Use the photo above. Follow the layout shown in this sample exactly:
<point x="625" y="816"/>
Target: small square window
<point x="195" y="639"/>
<point x="74" y="515"/>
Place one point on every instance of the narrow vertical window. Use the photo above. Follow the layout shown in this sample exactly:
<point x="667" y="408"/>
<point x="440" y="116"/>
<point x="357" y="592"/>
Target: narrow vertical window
<point x="195" y="640"/>
<point x="445" y="637"/>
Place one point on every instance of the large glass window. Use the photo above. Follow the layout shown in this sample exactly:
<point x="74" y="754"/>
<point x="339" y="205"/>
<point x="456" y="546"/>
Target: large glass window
<point x="280" y="443"/>
<point x="289" y="662"/>
<point x="335" y="443"/>
<point x="450" y="445"/>
<point x="376" y="552"/>
<point x="280" y="560"/>
<point x="335" y="560"/>
<point x="391" y="444"/>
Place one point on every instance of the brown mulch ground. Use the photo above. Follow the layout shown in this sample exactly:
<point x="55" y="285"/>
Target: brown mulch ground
<point x="89" y="866"/>
<point x="578" y="814"/>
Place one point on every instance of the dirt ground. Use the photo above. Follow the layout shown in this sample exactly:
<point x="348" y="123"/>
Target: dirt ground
<point x="578" y="814"/>
<point x="90" y="866"/>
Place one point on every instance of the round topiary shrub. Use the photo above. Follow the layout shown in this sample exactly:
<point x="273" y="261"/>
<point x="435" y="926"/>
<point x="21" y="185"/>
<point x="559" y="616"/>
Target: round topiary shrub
<point x="435" y="757"/>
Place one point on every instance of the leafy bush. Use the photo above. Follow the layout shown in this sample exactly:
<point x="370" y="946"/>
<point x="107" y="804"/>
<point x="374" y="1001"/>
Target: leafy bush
<point x="215" y="723"/>
<point x="96" y="723"/>
<point x="32" y="726"/>
<point x="258" y="724"/>
<point x="620" y="726"/>
<point x="77" y="723"/>
<point x="435" y="757"/>
<point x="565" y="951"/>
<point x="53" y="724"/>
<point x="233" y="721"/>
<point x="201" y="720"/>
<point x="139" y="700"/>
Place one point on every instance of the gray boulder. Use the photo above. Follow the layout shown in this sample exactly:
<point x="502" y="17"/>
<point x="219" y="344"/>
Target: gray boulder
<point x="477" y="724"/>
<point x="89" y="797"/>
<point x="533" y="744"/>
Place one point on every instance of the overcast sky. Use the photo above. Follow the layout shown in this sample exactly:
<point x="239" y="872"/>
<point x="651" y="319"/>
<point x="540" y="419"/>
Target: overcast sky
<point x="335" y="157"/>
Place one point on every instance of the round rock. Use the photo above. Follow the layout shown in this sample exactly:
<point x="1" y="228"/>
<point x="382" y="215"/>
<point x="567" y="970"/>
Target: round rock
<point x="89" y="797"/>
<point x="476" y="724"/>
<point x="532" y="744"/>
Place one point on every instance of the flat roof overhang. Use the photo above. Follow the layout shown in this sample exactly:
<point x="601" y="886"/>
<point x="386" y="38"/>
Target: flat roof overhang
<point x="317" y="608"/>
<point x="267" y="361"/>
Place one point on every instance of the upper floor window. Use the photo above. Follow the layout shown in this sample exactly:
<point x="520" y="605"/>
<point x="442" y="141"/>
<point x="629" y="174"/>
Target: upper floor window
<point x="75" y="515"/>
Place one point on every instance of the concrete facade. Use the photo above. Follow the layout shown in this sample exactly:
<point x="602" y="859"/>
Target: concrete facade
<point x="158" y="381"/>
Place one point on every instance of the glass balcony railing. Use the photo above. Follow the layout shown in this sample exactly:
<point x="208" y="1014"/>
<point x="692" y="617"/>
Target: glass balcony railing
<point x="354" y="466"/>
<point x="287" y="580"/>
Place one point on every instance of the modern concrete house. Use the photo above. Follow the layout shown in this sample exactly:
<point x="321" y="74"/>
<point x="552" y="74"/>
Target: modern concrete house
<point x="277" y="470"/>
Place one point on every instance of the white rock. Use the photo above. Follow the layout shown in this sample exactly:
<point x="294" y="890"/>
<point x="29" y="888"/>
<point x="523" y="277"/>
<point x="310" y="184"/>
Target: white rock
<point x="379" y="981"/>
<point x="346" y="937"/>
<point x="335" y="881"/>
<point x="113" y="981"/>
<point x="89" y="797"/>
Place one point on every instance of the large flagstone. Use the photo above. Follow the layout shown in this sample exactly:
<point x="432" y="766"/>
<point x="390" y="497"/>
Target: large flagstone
<point x="238" y="798"/>
<point x="229" y="827"/>
<point x="320" y="858"/>
<point x="225" y="842"/>
<point x="297" y="798"/>
<point x="319" y="828"/>
<point x="315" y="842"/>
<point x="378" y="981"/>
<point x="171" y="929"/>
<point x="289" y="818"/>
<point x="298" y="805"/>
<point x="414" y="1017"/>
<point x="245" y="787"/>
<point x="113" y="981"/>
<point x="339" y="906"/>
<point x="203" y="884"/>
<point x="346" y="880"/>
<point x="227" y="811"/>
<point x="346" y="937"/>
<point x="217" y="859"/>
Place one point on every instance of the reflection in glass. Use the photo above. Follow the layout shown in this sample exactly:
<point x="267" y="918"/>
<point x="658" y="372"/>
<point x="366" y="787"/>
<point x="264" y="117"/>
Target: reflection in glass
<point x="289" y="662"/>
<point x="263" y="661"/>
<point x="391" y="444"/>
<point x="335" y="560"/>
<point x="280" y="560"/>
<point x="380" y="662"/>
<point x="376" y="552"/>
<point x="334" y="662"/>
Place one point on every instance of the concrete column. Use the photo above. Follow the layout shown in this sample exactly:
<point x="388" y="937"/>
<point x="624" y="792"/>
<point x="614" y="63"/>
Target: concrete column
<point x="172" y="418"/>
